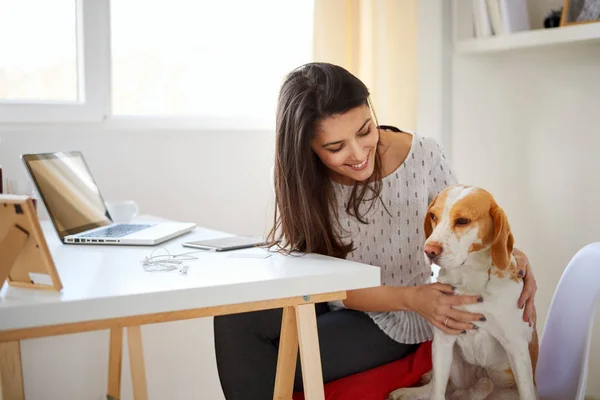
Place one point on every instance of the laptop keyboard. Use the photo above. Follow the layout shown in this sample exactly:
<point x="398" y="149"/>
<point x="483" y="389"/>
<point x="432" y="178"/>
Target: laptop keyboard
<point x="117" y="230"/>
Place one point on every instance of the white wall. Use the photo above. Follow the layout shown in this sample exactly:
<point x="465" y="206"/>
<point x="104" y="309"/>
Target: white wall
<point x="434" y="68"/>
<point x="217" y="179"/>
<point x="525" y="127"/>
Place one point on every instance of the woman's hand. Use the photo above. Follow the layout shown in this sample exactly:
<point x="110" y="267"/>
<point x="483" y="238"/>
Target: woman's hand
<point x="434" y="302"/>
<point x="529" y="288"/>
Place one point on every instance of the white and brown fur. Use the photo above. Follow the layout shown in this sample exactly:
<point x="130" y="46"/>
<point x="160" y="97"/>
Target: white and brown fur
<point x="496" y="361"/>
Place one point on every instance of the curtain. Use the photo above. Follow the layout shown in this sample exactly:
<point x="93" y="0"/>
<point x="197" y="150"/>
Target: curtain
<point x="376" y="40"/>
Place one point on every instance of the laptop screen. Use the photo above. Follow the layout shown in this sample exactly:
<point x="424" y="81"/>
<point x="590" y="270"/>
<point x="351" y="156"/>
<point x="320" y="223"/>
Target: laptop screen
<point x="68" y="190"/>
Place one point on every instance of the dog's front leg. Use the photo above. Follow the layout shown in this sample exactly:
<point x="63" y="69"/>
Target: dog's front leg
<point x="520" y="362"/>
<point x="442" y="349"/>
<point x="513" y="339"/>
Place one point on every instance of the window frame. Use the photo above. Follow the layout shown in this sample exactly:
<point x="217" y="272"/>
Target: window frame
<point x="93" y="74"/>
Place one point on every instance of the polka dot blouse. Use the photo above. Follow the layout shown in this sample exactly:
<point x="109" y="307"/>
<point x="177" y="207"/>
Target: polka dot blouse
<point x="393" y="238"/>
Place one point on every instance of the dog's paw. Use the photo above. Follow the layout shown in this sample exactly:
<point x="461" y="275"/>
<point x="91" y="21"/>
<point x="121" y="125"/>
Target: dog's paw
<point x="484" y="387"/>
<point x="405" y="396"/>
<point x="398" y="394"/>
<point x="427" y="378"/>
<point x="418" y="393"/>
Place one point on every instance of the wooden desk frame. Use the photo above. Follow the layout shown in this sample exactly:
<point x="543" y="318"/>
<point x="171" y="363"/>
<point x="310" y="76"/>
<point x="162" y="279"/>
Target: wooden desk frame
<point x="298" y="329"/>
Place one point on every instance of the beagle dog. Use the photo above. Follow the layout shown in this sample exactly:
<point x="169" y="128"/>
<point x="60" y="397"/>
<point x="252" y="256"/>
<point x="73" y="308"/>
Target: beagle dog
<point x="468" y="236"/>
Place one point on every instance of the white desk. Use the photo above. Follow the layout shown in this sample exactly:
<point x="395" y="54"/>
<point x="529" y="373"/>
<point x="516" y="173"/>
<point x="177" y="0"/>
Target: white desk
<point x="105" y="287"/>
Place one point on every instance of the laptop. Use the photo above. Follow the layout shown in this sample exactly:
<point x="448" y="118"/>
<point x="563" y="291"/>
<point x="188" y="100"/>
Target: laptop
<point x="76" y="207"/>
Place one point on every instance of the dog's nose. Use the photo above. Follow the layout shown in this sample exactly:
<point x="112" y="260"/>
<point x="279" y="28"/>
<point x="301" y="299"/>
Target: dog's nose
<point x="433" y="250"/>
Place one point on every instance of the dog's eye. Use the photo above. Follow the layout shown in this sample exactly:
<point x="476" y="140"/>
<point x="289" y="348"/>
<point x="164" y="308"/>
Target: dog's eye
<point x="433" y="217"/>
<point x="461" y="221"/>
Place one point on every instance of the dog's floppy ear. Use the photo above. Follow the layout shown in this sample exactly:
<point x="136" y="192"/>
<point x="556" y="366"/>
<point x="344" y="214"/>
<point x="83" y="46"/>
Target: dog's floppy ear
<point x="427" y="222"/>
<point x="502" y="246"/>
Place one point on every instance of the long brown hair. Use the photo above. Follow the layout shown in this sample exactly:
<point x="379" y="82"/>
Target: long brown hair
<point x="306" y="216"/>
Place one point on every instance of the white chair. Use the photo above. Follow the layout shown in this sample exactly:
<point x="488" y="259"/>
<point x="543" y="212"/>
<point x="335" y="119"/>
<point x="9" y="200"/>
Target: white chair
<point x="562" y="367"/>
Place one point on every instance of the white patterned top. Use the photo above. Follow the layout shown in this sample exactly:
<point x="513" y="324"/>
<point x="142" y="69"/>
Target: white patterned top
<point x="394" y="241"/>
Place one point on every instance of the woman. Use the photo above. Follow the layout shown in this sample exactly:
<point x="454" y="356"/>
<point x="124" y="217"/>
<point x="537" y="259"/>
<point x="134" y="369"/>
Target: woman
<point x="346" y="187"/>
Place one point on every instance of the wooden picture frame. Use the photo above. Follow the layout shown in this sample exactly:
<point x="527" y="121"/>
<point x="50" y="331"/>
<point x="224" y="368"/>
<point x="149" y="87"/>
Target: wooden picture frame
<point x="25" y="260"/>
<point x="577" y="12"/>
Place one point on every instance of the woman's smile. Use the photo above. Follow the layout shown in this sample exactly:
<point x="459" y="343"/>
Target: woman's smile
<point x="360" y="166"/>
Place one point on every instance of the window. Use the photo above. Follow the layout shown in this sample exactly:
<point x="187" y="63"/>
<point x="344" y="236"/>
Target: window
<point x="178" y="59"/>
<point x="207" y="58"/>
<point x="38" y="50"/>
<point x="53" y="60"/>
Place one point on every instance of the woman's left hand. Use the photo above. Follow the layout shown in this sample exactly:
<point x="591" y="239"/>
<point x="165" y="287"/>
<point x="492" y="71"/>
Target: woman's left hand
<point x="529" y="287"/>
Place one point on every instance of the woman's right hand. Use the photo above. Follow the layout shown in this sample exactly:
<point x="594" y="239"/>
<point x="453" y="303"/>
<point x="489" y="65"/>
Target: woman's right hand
<point x="434" y="302"/>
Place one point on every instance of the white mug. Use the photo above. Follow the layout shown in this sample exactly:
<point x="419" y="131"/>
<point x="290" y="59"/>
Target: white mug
<point x="122" y="211"/>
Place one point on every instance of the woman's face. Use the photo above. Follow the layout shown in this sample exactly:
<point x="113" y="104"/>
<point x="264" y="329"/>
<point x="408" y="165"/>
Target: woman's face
<point x="346" y="144"/>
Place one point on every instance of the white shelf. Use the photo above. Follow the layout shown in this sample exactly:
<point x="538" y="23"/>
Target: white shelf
<point x="583" y="33"/>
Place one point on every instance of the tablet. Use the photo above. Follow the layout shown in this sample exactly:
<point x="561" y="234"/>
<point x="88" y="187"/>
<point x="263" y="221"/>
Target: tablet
<point x="226" y="243"/>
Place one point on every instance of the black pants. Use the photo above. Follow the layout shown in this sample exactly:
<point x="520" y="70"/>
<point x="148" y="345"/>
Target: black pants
<point x="247" y="343"/>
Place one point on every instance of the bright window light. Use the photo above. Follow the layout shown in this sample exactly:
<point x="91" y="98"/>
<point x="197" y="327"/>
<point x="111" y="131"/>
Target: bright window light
<point x="198" y="58"/>
<point x="38" y="51"/>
